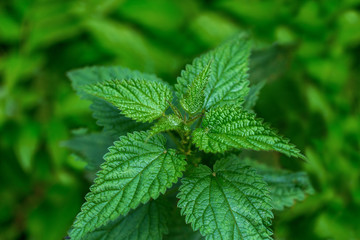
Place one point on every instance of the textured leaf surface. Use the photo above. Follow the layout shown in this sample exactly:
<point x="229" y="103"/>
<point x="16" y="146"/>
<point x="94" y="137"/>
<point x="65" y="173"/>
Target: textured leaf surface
<point x="147" y="222"/>
<point x="193" y="100"/>
<point x="107" y="115"/>
<point x="167" y="123"/>
<point x="136" y="168"/>
<point x="230" y="203"/>
<point x="228" y="78"/>
<point x="92" y="75"/>
<point x="140" y="100"/>
<point x="228" y="127"/>
<point x="114" y="123"/>
<point x="285" y="187"/>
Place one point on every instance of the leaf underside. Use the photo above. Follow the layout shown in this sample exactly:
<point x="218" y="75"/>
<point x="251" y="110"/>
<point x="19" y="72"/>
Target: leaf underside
<point x="113" y="122"/>
<point x="147" y="222"/>
<point x="92" y="147"/>
<point x="230" y="203"/>
<point x="228" y="127"/>
<point x="136" y="169"/>
<point x="228" y="78"/>
<point x="285" y="187"/>
<point x="138" y="99"/>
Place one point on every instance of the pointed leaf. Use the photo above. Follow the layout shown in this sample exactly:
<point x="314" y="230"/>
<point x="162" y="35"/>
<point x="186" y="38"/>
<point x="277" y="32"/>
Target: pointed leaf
<point x="228" y="78"/>
<point x="228" y="127"/>
<point x="147" y="222"/>
<point x="193" y="100"/>
<point x="136" y="168"/>
<point x="230" y="203"/>
<point x="140" y="100"/>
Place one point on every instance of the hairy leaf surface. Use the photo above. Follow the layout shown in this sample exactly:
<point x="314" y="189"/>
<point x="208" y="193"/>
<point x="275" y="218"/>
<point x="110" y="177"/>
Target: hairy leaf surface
<point x="167" y="123"/>
<point x="147" y="222"/>
<point x="138" y="99"/>
<point x="136" y="168"/>
<point x="92" y="75"/>
<point x="193" y="100"/>
<point x="232" y="202"/>
<point x="228" y="78"/>
<point x="229" y="127"/>
<point x="114" y="123"/>
<point x="107" y="115"/>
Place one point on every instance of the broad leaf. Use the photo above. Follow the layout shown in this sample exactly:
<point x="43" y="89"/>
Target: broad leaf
<point x="229" y="127"/>
<point x="193" y="100"/>
<point x="147" y="222"/>
<point x="232" y="202"/>
<point x="228" y="78"/>
<point x="137" y="168"/>
<point x="140" y="100"/>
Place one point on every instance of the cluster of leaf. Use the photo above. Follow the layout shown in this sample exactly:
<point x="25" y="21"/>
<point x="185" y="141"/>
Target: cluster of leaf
<point x="227" y="200"/>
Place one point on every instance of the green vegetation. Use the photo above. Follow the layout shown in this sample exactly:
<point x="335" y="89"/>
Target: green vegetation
<point x="304" y="63"/>
<point x="229" y="202"/>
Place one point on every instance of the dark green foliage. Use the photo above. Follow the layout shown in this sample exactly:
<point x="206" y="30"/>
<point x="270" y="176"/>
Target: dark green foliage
<point x="232" y="201"/>
<point x="307" y="53"/>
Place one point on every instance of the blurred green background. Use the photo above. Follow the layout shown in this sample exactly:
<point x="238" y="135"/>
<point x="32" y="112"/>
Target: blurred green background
<point x="312" y="96"/>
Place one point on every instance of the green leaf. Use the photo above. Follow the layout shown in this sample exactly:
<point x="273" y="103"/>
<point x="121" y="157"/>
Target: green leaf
<point x="285" y="187"/>
<point x="231" y="202"/>
<point x="114" y="123"/>
<point x="92" y="75"/>
<point x="107" y="115"/>
<point x="147" y="222"/>
<point x="253" y="96"/>
<point x="179" y="230"/>
<point x="228" y="78"/>
<point x="90" y="146"/>
<point x="167" y="123"/>
<point x="228" y="127"/>
<point x="140" y="100"/>
<point x="136" y="168"/>
<point x="193" y="100"/>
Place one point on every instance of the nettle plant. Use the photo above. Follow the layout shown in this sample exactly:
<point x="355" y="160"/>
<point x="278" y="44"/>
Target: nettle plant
<point x="181" y="148"/>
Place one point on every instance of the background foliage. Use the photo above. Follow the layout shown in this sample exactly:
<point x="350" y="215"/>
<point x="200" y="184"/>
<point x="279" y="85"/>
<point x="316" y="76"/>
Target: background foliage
<point x="312" y="96"/>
